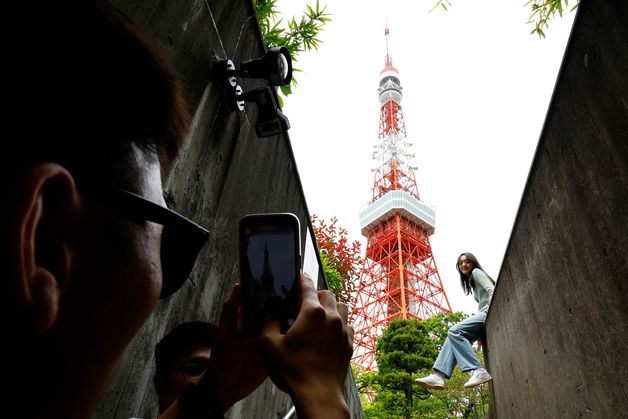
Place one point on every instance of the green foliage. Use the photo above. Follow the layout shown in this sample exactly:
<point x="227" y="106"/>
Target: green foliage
<point x="441" y="3"/>
<point x="334" y="279"/>
<point x="340" y="258"/>
<point x="405" y="345"/>
<point x="542" y="11"/>
<point x="365" y="381"/>
<point x="439" y="326"/>
<point x="406" y="350"/>
<point x="455" y="401"/>
<point x="298" y="36"/>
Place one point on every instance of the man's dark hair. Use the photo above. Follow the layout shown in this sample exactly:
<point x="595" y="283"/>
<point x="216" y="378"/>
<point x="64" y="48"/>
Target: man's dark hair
<point x="85" y="84"/>
<point x="82" y="86"/>
<point x="180" y="340"/>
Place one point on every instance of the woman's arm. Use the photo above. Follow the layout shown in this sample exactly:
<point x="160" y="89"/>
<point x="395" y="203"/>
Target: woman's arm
<point x="482" y="280"/>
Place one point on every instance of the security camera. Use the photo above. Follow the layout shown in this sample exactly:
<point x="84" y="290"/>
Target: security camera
<point x="270" y="120"/>
<point x="275" y="66"/>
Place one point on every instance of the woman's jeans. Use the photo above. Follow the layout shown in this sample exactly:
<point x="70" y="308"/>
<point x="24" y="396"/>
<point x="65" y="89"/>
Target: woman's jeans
<point x="458" y="348"/>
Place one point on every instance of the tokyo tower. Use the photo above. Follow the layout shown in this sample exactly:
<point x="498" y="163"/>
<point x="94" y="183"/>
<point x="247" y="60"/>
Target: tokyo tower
<point x="399" y="278"/>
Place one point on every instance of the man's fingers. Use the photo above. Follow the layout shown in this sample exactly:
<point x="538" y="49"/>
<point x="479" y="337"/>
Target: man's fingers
<point x="229" y="313"/>
<point x="343" y="310"/>
<point x="308" y="291"/>
<point x="350" y="337"/>
<point x="270" y="333"/>
<point x="271" y="327"/>
<point x="327" y="300"/>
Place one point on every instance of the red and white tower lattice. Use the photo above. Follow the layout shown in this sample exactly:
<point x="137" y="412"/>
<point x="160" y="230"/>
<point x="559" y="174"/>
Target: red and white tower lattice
<point x="400" y="278"/>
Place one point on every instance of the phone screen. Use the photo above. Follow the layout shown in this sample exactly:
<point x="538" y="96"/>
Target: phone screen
<point x="269" y="273"/>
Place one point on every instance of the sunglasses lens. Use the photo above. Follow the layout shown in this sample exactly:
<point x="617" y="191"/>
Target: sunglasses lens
<point x="179" y="250"/>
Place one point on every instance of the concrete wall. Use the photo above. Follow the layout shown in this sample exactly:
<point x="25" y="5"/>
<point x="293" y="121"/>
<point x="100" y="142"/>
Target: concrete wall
<point x="558" y="325"/>
<point x="224" y="172"/>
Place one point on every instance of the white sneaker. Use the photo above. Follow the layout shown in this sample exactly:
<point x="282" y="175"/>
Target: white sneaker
<point x="434" y="381"/>
<point x="480" y="376"/>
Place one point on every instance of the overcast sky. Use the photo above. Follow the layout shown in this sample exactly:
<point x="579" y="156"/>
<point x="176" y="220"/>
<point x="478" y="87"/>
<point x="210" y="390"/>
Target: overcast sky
<point x="476" y="89"/>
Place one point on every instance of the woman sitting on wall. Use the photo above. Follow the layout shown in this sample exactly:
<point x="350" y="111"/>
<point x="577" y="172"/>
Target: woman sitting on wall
<point x="458" y="347"/>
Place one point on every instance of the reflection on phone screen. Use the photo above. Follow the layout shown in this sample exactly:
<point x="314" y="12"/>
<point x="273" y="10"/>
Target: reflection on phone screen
<point x="270" y="267"/>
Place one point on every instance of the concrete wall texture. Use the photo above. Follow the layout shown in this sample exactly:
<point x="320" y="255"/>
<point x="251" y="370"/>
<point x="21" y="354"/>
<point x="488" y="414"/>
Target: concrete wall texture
<point x="558" y="324"/>
<point x="223" y="173"/>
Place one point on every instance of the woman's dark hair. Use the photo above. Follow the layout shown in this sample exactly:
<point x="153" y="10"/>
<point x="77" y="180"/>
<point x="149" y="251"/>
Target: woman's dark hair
<point x="467" y="281"/>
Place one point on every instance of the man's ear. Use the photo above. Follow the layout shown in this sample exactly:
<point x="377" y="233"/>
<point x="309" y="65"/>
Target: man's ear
<point x="47" y="203"/>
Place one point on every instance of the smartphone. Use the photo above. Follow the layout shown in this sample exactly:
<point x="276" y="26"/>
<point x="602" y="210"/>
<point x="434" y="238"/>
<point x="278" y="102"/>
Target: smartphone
<point x="270" y="267"/>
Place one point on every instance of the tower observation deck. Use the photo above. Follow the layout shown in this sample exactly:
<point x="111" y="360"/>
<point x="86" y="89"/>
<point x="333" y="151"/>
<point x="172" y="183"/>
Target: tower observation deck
<point x="399" y="278"/>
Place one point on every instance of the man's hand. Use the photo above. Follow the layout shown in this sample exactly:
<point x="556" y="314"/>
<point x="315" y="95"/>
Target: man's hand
<point x="310" y="361"/>
<point x="236" y="366"/>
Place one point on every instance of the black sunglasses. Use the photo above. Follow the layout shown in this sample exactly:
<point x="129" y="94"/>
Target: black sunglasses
<point x="181" y="239"/>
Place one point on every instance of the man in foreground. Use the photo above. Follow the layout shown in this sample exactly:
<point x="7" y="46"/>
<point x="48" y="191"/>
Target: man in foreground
<point x="90" y="245"/>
